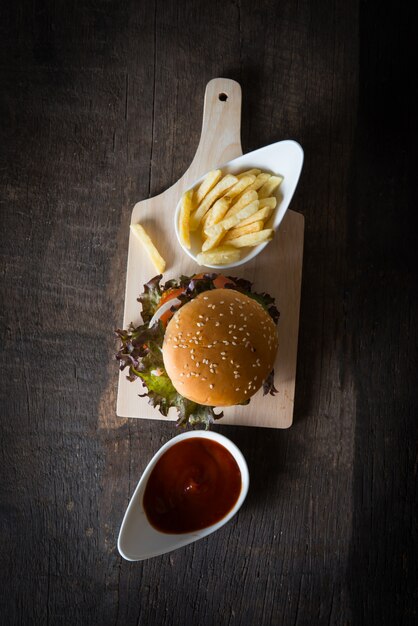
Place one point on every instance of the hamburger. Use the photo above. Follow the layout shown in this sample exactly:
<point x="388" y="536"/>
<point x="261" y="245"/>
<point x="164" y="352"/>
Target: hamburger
<point x="207" y="341"/>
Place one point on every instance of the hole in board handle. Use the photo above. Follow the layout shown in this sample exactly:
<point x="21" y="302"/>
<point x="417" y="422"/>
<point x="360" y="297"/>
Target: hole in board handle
<point x="223" y="97"/>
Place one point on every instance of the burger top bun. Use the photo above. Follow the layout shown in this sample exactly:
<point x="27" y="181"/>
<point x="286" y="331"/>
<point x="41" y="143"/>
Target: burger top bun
<point x="219" y="348"/>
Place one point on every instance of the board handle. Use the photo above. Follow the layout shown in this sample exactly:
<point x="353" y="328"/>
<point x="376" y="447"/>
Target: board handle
<point x="220" y="139"/>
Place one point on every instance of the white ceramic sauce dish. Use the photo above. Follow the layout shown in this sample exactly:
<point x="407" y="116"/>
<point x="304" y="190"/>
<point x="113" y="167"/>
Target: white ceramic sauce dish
<point x="284" y="158"/>
<point x="139" y="540"/>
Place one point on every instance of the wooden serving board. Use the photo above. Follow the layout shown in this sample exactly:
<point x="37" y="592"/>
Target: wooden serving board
<point x="277" y="270"/>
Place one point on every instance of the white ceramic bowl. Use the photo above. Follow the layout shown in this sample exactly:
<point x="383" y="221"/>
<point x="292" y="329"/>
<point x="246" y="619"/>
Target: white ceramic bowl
<point x="284" y="158"/>
<point x="138" y="540"/>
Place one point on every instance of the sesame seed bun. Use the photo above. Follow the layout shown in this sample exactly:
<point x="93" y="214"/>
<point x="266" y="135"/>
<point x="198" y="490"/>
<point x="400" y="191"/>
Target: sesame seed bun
<point x="219" y="348"/>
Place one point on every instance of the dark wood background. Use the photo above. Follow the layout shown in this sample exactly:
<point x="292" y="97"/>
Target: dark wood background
<point x="101" y="105"/>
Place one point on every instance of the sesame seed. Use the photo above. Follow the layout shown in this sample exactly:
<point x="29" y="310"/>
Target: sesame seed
<point x="223" y="353"/>
<point x="205" y="298"/>
<point x="217" y="324"/>
<point x="211" y="386"/>
<point x="237" y="388"/>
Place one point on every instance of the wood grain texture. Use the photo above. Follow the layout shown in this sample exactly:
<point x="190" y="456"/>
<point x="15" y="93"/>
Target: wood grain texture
<point x="100" y="106"/>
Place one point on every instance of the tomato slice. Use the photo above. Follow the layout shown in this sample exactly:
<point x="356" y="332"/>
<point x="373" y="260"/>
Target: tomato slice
<point x="169" y="295"/>
<point x="220" y="281"/>
<point x="165" y="317"/>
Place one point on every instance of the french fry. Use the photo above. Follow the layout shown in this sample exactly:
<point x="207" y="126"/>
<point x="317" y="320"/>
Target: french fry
<point x="230" y="222"/>
<point x="212" y="240"/>
<point x="261" y="215"/>
<point x="253" y="239"/>
<point x="184" y="218"/>
<point x="260" y="181"/>
<point x="206" y="185"/>
<point x="268" y="187"/>
<point x="246" y="198"/>
<point x="139" y="232"/>
<point x="243" y="183"/>
<point x="239" y="230"/>
<point x="219" y="256"/>
<point x="268" y="202"/>
<point x="253" y="172"/>
<point x="216" y="233"/>
<point x="216" y="213"/>
<point x="220" y="188"/>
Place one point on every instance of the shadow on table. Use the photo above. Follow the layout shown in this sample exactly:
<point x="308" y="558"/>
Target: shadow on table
<point x="266" y="453"/>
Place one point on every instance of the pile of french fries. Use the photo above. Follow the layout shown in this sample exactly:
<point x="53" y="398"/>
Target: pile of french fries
<point x="228" y="212"/>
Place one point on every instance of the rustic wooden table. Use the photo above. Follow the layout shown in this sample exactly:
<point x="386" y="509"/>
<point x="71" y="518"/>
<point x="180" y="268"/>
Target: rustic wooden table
<point x="101" y="107"/>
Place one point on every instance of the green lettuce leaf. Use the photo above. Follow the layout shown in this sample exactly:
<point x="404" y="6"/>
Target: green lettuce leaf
<point x="150" y="298"/>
